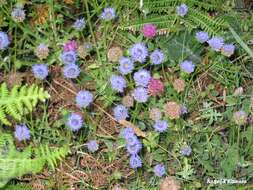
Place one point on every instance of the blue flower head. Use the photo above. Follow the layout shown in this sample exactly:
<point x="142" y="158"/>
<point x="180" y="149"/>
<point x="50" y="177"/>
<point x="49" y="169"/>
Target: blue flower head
<point x="40" y="71"/>
<point x="216" y="43"/>
<point x="140" y="94"/>
<point x="4" y="40"/>
<point x="228" y="50"/>
<point x="202" y="36"/>
<point x="127" y="132"/>
<point x="187" y="66"/>
<point x="126" y="65"/>
<point x="186" y="151"/>
<point x="68" y="57"/>
<point x="18" y="14"/>
<point x="160" y="126"/>
<point x="134" y="148"/>
<point x="120" y="112"/>
<point x="22" y="132"/>
<point x="142" y="77"/>
<point x="139" y="52"/>
<point x="182" y="10"/>
<point x="92" y="145"/>
<point x="79" y="24"/>
<point x="118" y="83"/>
<point x="71" y="71"/>
<point x="131" y="140"/>
<point x="108" y="14"/>
<point x="84" y="98"/>
<point x="74" y="122"/>
<point x="159" y="170"/>
<point x="135" y="161"/>
<point x="157" y="57"/>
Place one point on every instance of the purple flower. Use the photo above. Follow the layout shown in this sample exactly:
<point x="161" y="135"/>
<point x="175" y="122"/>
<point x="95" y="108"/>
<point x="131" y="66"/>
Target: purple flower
<point x="68" y="57"/>
<point x="183" y="110"/>
<point x="134" y="148"/>
<point x="22" y="132"/>
<point x="160" y="126"/>
<point x="71" y="71"/>
<point x="159" y="170"/>
<point x="157" y="57"/>
<point x="120" y="112"/>
<point x="84" y="98"/>
<point x="74" y="121"/>
<point x="202" y="36"/>
<point x="187" y="66"/>
<point x="118" y="83"/>
<point x="126" y="65"/>
<point x="186" y="151"/>
<point x="41" y="51"/>
<point x="216" y="43"/>
<point x="108" y="14"/>
<point x="139" y="52"/>
<point x="135" y="161"/>
<point x="127" y="132"/>
<point x="79" y="24"/>
<point x="92" y="145"/>
<point x="228" y="50"/>
<point x="4" y="40"/>
<point x="182" y="10"/>
<point x="142" y="77"/>
<point x="40" y="71"/>
<point x="18" y="14"/>
<point x="131" y="140"/>
<point x="140" y="94"/>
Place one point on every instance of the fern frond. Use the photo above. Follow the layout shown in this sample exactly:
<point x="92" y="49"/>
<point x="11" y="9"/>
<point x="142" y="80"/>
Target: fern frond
<point x="13" y="102"/>
<point x="15" y="164"/>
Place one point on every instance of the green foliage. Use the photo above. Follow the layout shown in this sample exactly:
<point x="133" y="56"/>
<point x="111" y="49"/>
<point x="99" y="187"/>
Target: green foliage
<point x="19" y="100"/>
<point x="15" y="164"/>
<point x="171" y="22"/>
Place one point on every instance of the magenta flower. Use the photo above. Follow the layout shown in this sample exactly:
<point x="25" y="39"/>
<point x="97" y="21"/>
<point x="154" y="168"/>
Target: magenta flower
<point x="71" y="45"/>
<point x="155" y="87"/>
<point x="149" y="30"/>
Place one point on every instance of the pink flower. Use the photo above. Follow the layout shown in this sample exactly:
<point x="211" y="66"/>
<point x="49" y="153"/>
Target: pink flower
<point x="155" y="87"/>
<point x="149" y="30"/>
<point x="71" y="45"/>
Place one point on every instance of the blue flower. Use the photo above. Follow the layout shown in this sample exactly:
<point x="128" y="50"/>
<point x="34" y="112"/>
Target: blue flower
<point x="127" y="132"/>
<point x="120" y="112"/>
<point x="108" y="14"/>
<point x="142" y="77"/>
<point x="183" y="110"/>
<point x="71" y="71"/>
<point x="84" y="98"/>
<point x="22" y="132"/>
<point x="159" y="170"/>
<point x="202" y="36"/>
<point x="134" y="148"/>
<point x="157" y="57"/>
<point x="126" y="65"/>
<point x="139" y="52"/>
<point x="4" y="40"/>
<point x="187" y="66"/>
<point x="18" y="14"/>
<point x="186" y="151"/>
<point x="135" y="161"/>
<point x="79" y="24"/>
<point x="118" y="83"/>
<point x="216" y="43"/>
<point x="182" y="10"/>
<point x="92" y="145"/>
<point x="131" y="140"/>
<point x="160" y="126"/>
<point x="228" y="50"/>
<point x="140" y="94"/>
<point x="74" y="122"/>
<point x="68" y="57"/>
<point x="40" y="71"/>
